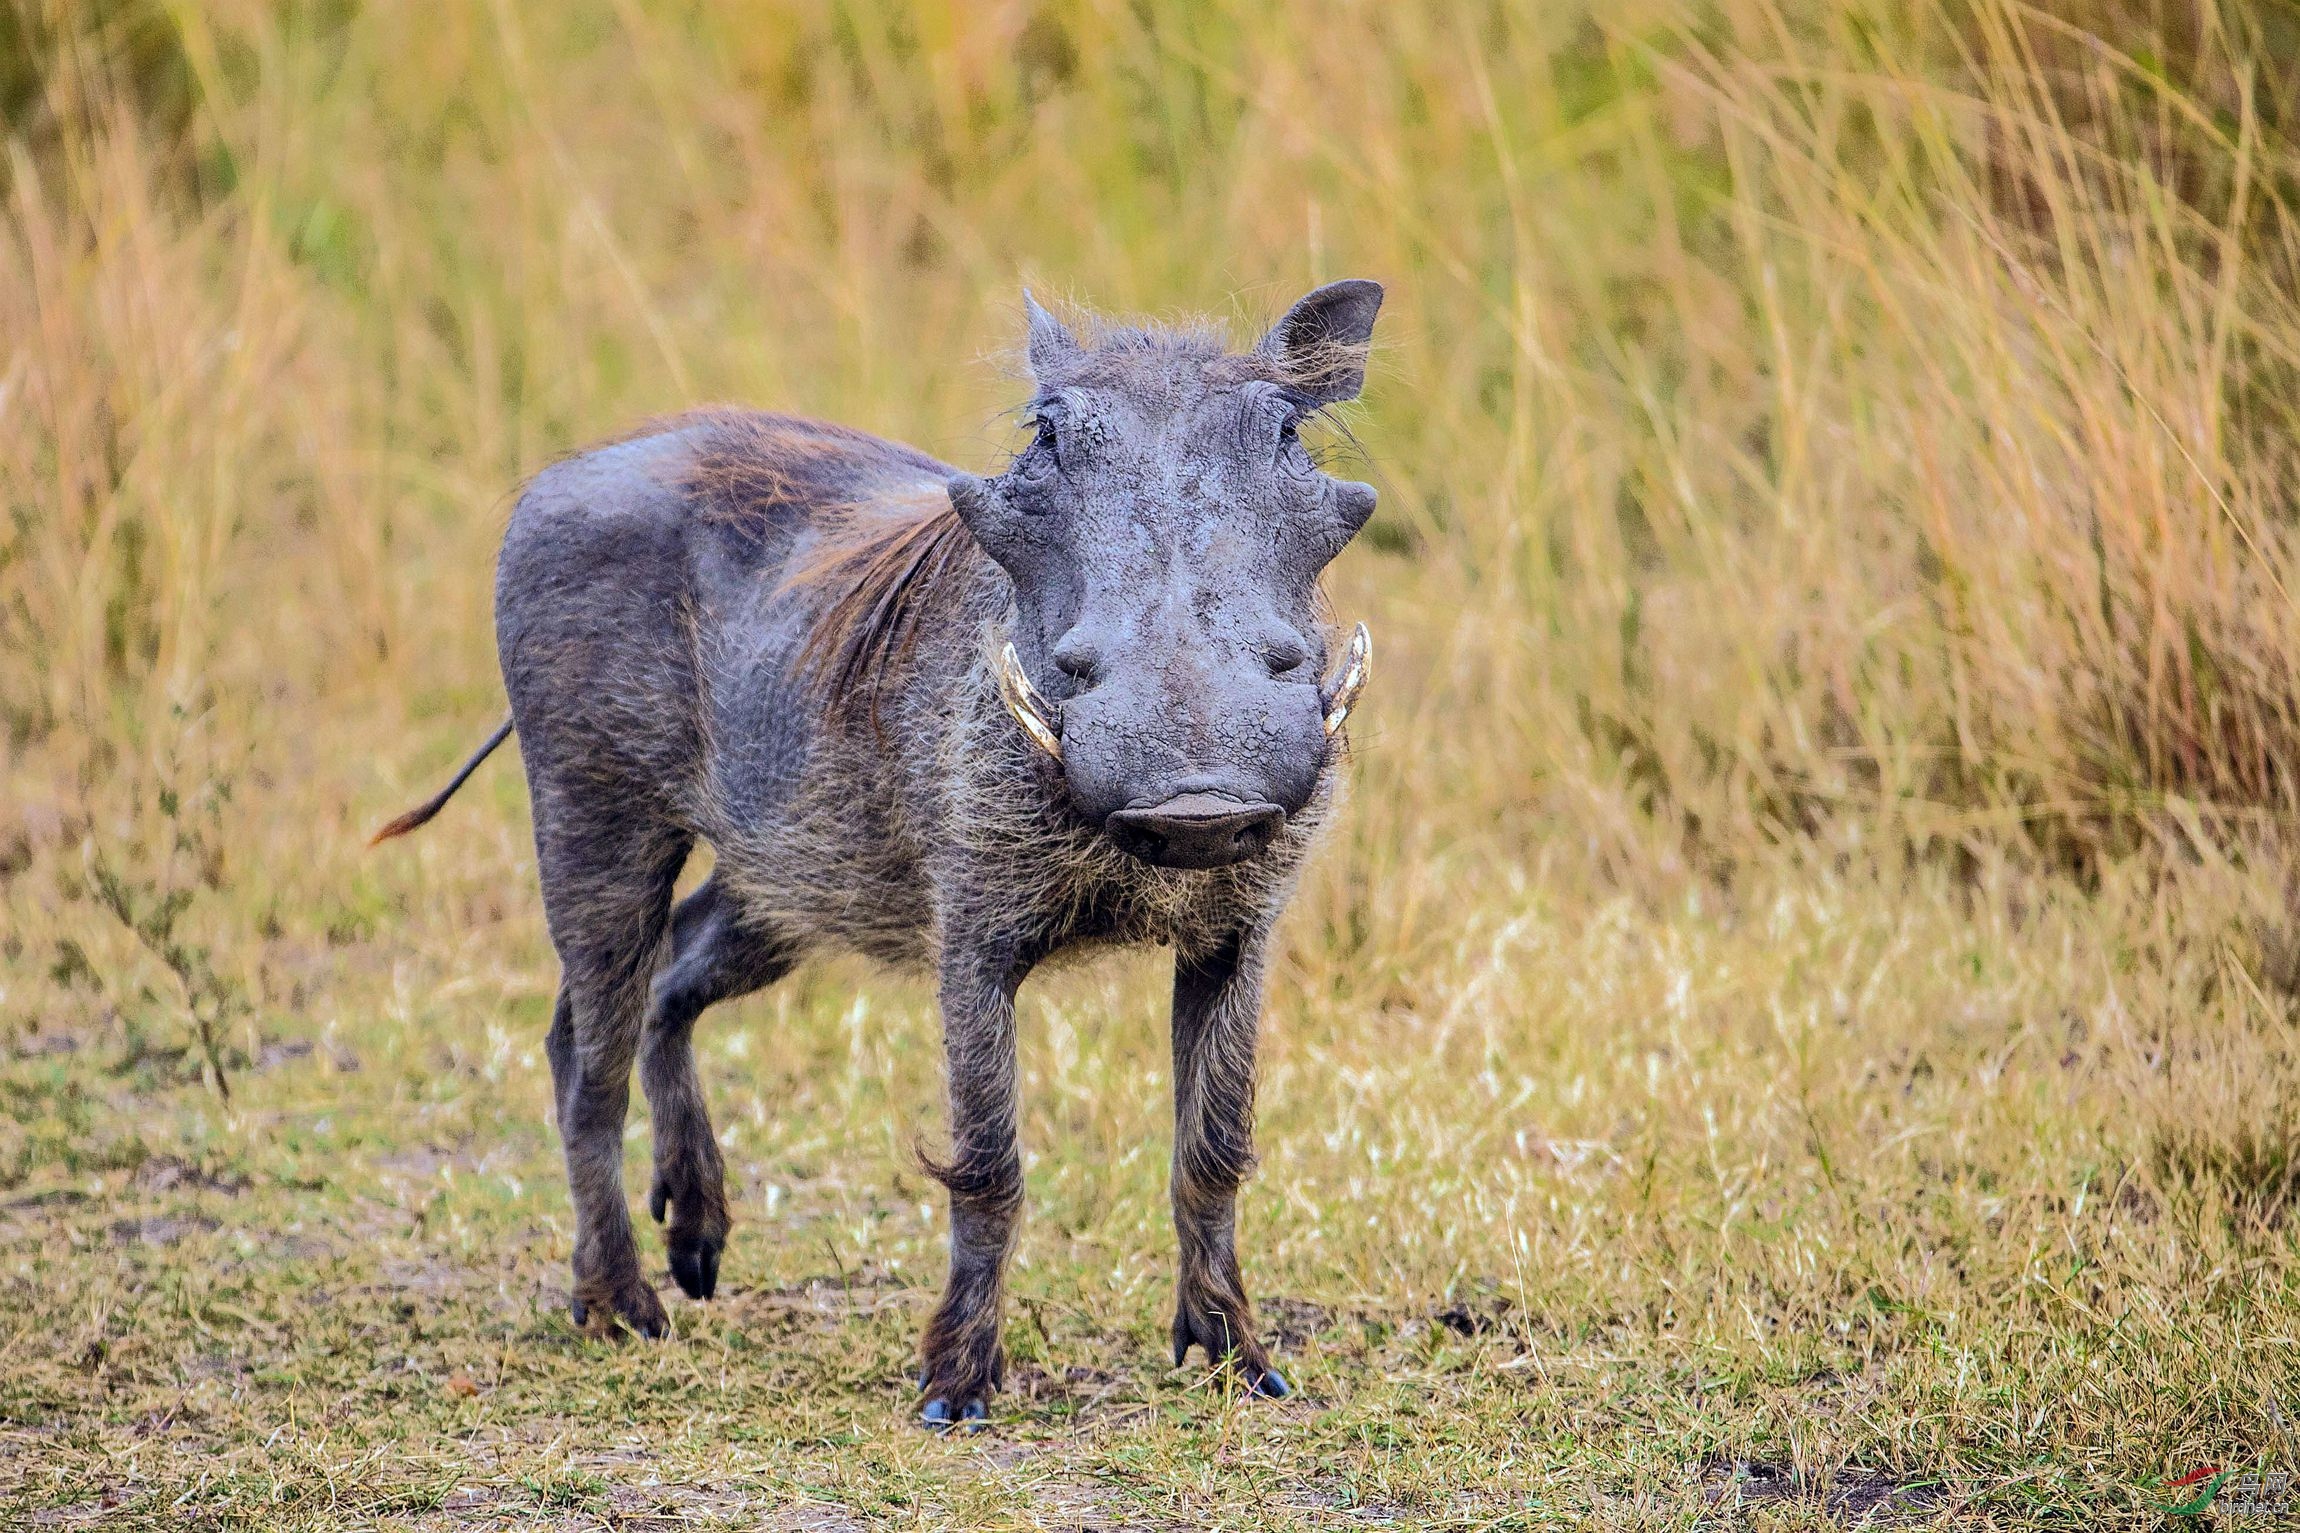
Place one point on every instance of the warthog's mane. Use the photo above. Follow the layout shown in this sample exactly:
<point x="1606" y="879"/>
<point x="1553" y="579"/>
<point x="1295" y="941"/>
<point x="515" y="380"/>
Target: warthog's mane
<point x="889" y="567"/>
<point x="883" y="550"/>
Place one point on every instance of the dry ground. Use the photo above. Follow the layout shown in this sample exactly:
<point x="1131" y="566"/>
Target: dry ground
<point x="1847" y="1204"/>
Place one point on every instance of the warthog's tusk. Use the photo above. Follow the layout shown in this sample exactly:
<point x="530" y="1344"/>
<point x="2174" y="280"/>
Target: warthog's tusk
<point x="1038" y="718"/>
<point x="1350" y="680"/>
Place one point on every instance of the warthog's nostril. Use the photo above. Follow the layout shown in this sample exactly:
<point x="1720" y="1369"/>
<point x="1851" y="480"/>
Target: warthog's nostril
<point x="1196" y="830"/>
<point x="1285" y="656"/>
<point x="1077" y="658"/>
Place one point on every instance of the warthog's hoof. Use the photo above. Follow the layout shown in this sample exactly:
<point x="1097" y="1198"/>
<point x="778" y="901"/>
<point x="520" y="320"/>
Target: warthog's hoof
<point x="1257" y="1378"/>
<point x="1245" y="1360"/>
<point x="959" y="1388"/>
<point x="695" y="1265"/>
<point x="601" y="1310"/>
<point x="936" y="1415"/>
<point x="693" y="1247"/>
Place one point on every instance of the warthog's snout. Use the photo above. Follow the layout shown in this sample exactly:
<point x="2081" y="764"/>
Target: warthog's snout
<point x="1196" y="830"/>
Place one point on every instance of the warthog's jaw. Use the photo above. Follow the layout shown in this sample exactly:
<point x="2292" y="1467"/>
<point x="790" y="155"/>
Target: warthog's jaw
<point x="1041" y="720"/>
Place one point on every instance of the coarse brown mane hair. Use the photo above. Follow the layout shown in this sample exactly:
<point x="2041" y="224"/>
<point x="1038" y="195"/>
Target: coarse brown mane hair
<point x="887" y="549"/>
<point x="888" y="572"/>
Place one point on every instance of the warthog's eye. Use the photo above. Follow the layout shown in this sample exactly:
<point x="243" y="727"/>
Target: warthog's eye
<point x="1293" y="457"/>
<point x="1042" y="459"/>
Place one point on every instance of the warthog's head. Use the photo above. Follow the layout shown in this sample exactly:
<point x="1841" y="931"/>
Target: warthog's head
<point x="1164" y="530"/>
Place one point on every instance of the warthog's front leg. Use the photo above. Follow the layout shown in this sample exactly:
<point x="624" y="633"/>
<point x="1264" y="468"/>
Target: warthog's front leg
<point x="962" y="1355"/>
<point x="1217" y="1010"/>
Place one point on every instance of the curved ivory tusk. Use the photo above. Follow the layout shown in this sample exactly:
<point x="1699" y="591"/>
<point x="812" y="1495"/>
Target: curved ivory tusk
<point x="1350" y="680"/>
<point x="1039" y="719"/>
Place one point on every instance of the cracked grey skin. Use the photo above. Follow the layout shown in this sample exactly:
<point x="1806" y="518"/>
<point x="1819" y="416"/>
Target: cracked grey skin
<point x="668" y="608"/>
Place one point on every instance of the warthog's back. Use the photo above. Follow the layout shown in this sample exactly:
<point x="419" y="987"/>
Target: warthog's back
<point x="736" y="620"/>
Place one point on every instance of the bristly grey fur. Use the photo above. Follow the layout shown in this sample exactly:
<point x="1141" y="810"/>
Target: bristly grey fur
<point x="777" y="636"/>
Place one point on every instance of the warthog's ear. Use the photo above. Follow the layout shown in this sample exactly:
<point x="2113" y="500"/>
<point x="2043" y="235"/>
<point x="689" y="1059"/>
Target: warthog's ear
<point x="1052" y="347"/>
<point x="1320" y="345"/>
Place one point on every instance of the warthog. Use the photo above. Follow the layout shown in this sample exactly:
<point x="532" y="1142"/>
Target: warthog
<point x="945" y="721"/>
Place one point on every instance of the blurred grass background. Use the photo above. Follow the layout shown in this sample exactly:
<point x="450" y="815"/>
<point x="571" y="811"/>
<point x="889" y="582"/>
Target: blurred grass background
<point x="1834" y="592"/>
<point x="1861" y="428"/>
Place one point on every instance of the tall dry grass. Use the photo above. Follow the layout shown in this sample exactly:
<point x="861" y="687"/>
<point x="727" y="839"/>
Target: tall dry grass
<point x="1868" y="424"/>
<point x="1855" y="433"/>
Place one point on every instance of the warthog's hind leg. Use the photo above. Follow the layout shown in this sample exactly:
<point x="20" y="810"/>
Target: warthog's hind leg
<point x="607" y="892"/>
<point x="714" y="957"/>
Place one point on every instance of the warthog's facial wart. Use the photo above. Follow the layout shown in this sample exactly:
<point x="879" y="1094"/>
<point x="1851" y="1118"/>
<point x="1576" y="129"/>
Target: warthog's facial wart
<point x="1164" y="530"/>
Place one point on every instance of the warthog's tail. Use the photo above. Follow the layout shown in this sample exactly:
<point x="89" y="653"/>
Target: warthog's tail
<point x="422" y="813"/>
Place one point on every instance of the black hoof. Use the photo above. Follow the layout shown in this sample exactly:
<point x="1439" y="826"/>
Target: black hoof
<point x="639" y="1309"/>
<point x="696" y="1270"/>
<point x="936" y="1415"/>
<point x="1246" y="1365"/>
